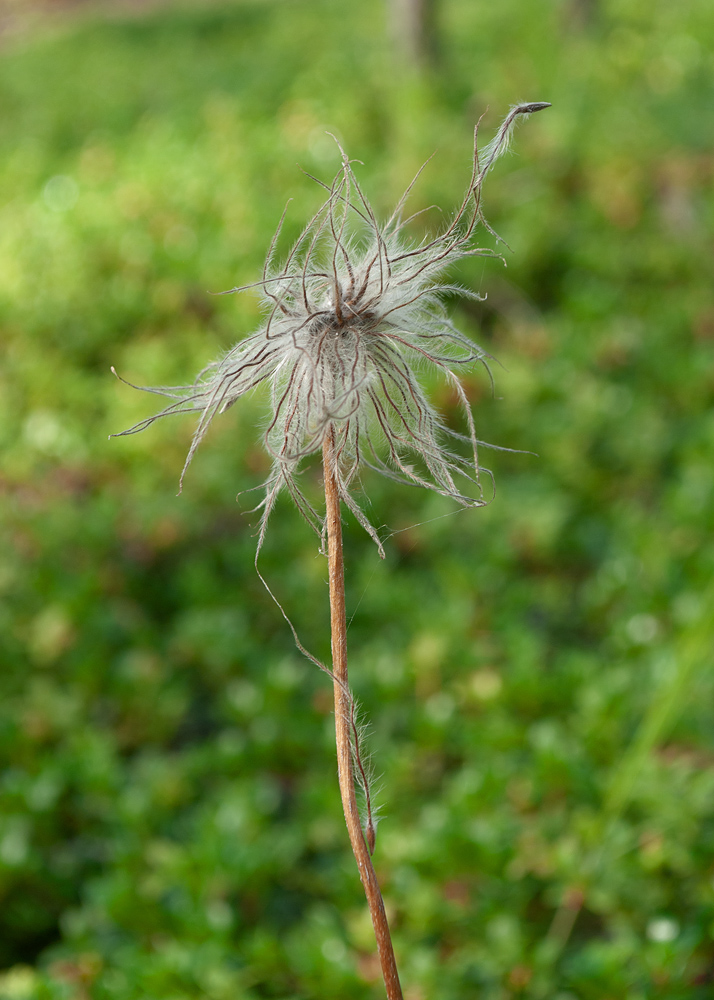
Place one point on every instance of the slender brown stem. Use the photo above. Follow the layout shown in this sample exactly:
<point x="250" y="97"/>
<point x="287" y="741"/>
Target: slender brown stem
<point x="343" y="717"/>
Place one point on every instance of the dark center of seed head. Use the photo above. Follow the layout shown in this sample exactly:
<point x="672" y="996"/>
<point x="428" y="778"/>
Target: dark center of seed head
<point x="339" y="324"/>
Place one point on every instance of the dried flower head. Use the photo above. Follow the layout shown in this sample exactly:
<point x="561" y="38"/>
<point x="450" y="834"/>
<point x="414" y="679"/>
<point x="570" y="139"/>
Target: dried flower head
<point x="351" y="316"/>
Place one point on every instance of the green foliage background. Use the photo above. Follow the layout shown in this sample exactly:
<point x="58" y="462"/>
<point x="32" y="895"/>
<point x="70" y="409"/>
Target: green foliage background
<point x="537" y="675"/>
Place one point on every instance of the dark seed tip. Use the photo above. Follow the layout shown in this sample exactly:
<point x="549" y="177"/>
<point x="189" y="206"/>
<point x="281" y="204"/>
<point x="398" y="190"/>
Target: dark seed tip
<point x="529" y="109"/>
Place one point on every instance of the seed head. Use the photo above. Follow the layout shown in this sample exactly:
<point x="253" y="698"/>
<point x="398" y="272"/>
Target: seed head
<point x="351" y="316"/>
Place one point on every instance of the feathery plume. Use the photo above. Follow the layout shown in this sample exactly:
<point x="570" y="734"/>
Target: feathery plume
<point x="351" y="315"/>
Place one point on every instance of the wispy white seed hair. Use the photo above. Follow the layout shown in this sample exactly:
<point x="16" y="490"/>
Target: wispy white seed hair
<point x="353" y="313"/>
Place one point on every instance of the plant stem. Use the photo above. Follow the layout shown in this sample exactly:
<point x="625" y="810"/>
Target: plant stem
<point x="343" y="721"/>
